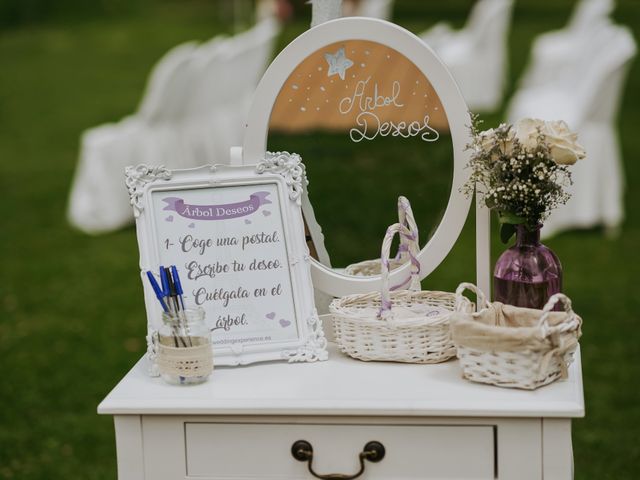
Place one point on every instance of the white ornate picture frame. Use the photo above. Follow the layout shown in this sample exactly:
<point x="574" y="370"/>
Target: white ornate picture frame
<point x="236" y="235"/>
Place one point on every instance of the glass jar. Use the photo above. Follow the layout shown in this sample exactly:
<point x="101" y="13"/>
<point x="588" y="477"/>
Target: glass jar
<point x="528" y="273"/>
<point x="184" y="354"/>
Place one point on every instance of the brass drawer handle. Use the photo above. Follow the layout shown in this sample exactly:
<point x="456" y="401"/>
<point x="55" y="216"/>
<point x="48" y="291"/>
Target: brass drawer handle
<point x="303" y="452"/>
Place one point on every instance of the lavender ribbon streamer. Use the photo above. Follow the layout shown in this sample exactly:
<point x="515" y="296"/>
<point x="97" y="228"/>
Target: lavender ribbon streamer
<point x="402" y="230"/>
<point x="406" y="218"/>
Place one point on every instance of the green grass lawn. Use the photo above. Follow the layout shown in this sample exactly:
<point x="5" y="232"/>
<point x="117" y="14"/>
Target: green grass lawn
<point x="72" y="320"/>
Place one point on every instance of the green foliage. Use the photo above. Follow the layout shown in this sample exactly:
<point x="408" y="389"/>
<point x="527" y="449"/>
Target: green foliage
<point x="14" y="13"/>
<point x="507" y="230"/>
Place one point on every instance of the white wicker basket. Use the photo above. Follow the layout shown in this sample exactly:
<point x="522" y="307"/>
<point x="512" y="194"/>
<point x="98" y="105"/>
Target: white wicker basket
<point x="400" y="326"/>
<point x="373" y="267"/>
<point x="512" y="346"/>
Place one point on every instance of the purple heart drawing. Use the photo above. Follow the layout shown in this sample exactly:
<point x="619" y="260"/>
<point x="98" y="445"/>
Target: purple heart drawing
<point x="266" y="213"/>
<point x="169" y="218"/>
<point x="271" y="315"/>
<point x="284" y="323"/>
<point x="247" y="221"/>
<point x="192" y="225"/>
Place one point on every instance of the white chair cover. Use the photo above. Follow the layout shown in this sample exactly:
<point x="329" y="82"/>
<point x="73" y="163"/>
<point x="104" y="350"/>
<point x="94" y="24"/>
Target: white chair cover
<point x="170" y="70"/>
<point x="375" y="9"/>
<point x="586" y="92"/>
<point x="550" y="50"/>
<point x="476" y="55"/>
<point x="193" y="111"/>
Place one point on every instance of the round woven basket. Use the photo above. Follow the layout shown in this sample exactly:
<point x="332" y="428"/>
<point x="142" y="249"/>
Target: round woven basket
<point x="368" y="268"/>
<point x="401" y="326"/>
<point x="512" y="346"/>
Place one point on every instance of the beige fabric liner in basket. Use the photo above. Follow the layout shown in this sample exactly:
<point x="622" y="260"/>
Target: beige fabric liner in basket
<point x="402" y="326"/>
<point x="512" y="346"/>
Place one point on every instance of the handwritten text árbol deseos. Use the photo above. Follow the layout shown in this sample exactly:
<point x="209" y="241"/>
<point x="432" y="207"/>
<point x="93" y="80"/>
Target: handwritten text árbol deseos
<point x="369" y="125"/>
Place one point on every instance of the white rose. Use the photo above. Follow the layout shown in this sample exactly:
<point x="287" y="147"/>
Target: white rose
<point x="527" y="132"/>
<point x="562" y="142"/>
<point x="488" y="138"/>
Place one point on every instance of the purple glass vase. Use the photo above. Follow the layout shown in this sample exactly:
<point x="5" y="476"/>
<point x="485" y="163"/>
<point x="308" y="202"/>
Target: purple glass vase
<point x="528" y="273"/>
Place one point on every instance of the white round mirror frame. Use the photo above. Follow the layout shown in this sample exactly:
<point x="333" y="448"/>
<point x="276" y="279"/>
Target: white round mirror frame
<point x="409" y="45"/>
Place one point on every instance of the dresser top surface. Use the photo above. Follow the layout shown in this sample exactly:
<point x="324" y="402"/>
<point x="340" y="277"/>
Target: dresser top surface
<point x="342" y="386"/>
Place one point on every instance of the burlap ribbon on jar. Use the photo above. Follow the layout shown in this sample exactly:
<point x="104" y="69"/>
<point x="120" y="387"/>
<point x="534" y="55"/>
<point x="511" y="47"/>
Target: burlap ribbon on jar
<point x="187" y="362"/>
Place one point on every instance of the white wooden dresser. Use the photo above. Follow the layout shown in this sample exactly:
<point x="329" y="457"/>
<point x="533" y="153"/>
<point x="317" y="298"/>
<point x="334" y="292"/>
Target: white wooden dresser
<point x="242" y="423"/>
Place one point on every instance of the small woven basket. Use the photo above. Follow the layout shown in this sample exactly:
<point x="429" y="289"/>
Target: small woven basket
<point x="512" y="346"/>
<point x="368" y="268"/>
<point x="399" y="326"/>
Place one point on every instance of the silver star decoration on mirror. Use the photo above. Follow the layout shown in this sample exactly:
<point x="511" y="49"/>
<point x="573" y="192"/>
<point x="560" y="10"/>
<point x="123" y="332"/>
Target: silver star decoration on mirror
<point x="338" y="63"/>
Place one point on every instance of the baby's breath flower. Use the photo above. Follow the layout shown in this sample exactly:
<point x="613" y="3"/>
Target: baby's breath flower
<point x="525" y="182"/>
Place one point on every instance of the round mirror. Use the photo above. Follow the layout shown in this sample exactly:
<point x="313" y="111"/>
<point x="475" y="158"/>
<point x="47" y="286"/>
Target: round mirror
<point x="370" y="128"/>
<point x="374" y="115"/>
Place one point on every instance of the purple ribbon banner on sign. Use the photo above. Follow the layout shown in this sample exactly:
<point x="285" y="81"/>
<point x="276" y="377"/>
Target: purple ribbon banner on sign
<point x="217" y="212"/>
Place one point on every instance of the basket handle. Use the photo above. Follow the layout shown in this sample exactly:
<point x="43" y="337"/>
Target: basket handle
<point x="560" y="344"/>
<point x="548" y="308"/>
<point x="385" y="298"/>
<point x="461" y="299"/>
<point x="406" y="218"/>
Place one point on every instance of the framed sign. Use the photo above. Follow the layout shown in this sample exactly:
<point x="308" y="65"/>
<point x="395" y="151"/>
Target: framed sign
<point x="236" y="235"/>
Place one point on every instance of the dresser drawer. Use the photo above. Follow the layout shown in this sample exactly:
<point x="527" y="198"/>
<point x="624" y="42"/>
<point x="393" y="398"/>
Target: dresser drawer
<point x="247" y="451"/>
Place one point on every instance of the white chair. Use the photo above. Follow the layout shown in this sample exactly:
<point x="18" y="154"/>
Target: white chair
<point x="586" y="13"/>
<point x="192" y="112"/>
<point x="549" y="50"/>
<point x="232" y="72"/>
<point x="477" y="54"/>
<point x="375" y="9"/>
<point x="587" y="93"/>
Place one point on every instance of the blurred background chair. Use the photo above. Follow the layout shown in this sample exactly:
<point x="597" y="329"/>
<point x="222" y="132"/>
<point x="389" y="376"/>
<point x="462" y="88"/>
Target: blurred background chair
<point x="585" y="89"/>
<point x="477" y="54"/>
<point x="549" y="50"/>
<point x="193" y="110"/>
<point x="169" y="74"/>
<point x="382" y="9"/>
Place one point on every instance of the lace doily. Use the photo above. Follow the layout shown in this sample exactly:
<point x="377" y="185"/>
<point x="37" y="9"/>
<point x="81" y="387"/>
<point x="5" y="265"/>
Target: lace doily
<point x="187" y="362"/>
